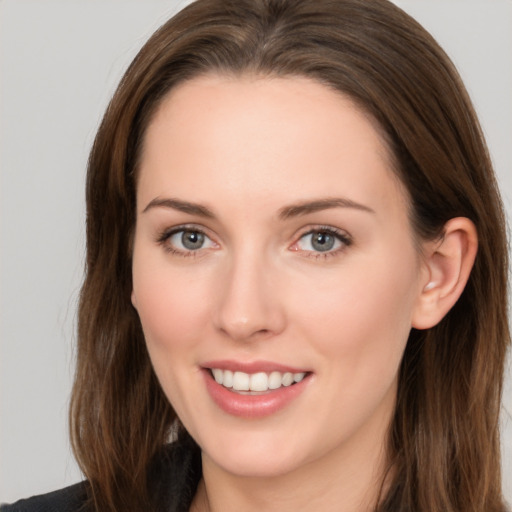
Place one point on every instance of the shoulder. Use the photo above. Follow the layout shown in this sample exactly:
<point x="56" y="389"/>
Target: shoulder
<point x="172" y="478"/>
<point x="69" y="499"/>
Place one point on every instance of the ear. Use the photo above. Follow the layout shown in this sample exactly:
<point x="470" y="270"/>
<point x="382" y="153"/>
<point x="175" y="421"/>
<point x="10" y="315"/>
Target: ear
<point x="134" y="299"/>
<point x="447" y="264"/>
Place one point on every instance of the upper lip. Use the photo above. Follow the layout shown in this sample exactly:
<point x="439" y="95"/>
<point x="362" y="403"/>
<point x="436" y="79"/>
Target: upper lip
<point x="252" y="366"/>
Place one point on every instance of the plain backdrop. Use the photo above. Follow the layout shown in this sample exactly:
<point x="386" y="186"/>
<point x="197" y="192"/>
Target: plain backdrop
<point x="59" y="63"/>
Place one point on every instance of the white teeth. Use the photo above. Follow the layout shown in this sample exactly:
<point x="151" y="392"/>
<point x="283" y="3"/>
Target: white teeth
<point x="297" y="377"/>
<point x="227" y="379"/>
<point x="275" y="380"/>
<point x="261" y="381"/>
<point x="287" y="379"/>
<point x="217" y="375"/>
<point x="241" y="381"/>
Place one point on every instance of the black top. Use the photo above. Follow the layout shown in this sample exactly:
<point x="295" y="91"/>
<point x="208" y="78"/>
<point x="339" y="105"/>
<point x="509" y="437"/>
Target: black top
<point x="173" y="481"/>
<point x="69" y="499"/>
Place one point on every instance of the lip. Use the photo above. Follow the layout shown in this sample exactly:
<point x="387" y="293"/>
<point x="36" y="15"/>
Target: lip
<point x="252" y="366"/>
<point x="253" y="406"/>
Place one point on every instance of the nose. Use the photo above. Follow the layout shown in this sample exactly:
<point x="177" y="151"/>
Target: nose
<point x="249" y="304"/>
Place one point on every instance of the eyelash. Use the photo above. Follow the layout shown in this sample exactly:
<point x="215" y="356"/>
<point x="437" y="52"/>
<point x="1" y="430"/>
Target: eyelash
<point x="340" y="236"/>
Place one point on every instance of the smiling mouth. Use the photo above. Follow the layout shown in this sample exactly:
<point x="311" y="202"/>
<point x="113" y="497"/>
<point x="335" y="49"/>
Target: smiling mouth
<point x="260" y="382"/>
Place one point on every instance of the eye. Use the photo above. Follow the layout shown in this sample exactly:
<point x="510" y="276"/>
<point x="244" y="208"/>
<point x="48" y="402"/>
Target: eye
<point x="324" y="240"/>
<point x="185" y="241"/>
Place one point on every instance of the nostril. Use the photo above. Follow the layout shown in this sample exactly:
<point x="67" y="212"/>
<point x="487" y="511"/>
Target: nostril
<point x="244" y="330"/>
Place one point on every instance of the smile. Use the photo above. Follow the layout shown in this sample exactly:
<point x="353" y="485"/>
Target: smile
<point x="260" y="381"/>
<point x="254" y="390"/>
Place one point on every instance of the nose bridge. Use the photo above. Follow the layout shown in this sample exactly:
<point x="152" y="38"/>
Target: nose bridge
<point x="248" y="305"/>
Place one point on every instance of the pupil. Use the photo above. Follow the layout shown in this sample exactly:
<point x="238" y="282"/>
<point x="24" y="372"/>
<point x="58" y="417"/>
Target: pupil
<point x="322" y="241"/>
<point x="192" y="240"/>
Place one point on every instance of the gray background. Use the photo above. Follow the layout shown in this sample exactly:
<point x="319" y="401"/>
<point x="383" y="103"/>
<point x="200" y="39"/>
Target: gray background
<point x="59" y="63"/>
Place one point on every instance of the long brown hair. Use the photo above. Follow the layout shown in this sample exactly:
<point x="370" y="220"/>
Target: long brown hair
<point x="444" y="438"/>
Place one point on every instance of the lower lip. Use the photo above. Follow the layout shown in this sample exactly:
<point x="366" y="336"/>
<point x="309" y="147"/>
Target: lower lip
<point x="253" y="406"/>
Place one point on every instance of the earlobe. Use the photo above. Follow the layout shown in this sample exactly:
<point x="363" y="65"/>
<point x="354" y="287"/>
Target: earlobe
<point x="448" y="263"/>
<point x="134" y="299"/>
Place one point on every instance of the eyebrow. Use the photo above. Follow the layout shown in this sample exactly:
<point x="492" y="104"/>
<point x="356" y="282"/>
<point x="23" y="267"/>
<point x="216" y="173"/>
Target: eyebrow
<point x="294" y="210"/>
<point x="306" y="207"/>
<point x="182" y="206"/>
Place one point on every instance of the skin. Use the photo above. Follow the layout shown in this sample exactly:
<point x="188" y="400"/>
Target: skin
<point x="246" y="149"/>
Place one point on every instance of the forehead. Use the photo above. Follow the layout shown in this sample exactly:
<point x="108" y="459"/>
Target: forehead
<point x="252" y="135"/>
<point x="292" y="105"/>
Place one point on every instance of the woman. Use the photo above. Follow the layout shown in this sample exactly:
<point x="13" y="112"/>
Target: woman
<point x="296" y="270"/>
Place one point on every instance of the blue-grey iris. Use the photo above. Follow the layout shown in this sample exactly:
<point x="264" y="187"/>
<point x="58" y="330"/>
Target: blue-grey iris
<point x="192" y="240"/>
<point x="322" y="241"/>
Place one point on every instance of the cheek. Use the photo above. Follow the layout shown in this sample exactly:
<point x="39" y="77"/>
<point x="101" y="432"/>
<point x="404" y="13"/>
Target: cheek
<point x="172" y="309"/>
<point x="171" y="304"/>
<point x="361" y="315"/>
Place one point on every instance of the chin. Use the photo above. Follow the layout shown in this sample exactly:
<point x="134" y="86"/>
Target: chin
<point x="254" y="463"/>
<point x="265" y="451"/>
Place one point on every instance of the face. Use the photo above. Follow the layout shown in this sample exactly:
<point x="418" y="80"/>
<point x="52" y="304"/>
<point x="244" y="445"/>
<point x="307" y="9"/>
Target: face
<point x="274" y="271"/>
